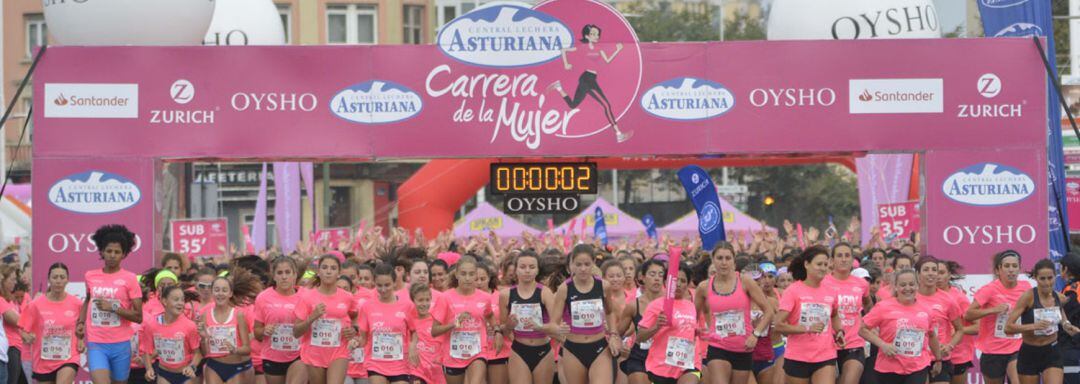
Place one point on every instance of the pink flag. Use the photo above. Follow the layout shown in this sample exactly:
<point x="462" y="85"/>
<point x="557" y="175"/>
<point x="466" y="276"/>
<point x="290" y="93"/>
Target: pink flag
<point x="258" y="230"/>
<point x="674" y="254"/>
<point x="798" y="231"/>
<point x="551" y="226"/>
<point x="307" y="172"/>
<point x="247" y="239"/>
<point x="573" y="223"/>
<point x="583" y="226"/>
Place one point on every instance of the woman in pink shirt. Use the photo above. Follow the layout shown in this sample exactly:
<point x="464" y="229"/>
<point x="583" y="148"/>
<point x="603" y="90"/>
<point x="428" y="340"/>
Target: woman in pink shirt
<point x="357" y="372"/>
<point x="724" y="304"/>
<point x="326" y="320"/>
<point x="113" y="303"/>
<point x="962" y="355"/>
<point x="945" y="315"/>
<point x="274" y="314"/>
<point x="49" y="322"/>
<point x="852" y="295"/>
<point x="465" y="314"/>
<point x="387" y="332"/>
<point x="671" y="358"/>
<point x="428" y="347"/>
<point x="809" y="316"/>
<point x="487" y="281"/>
<point x="1041" y="313"/>
<point x="905" y="339"/>
<point x="224" y="328"/>
<point x="170" y="342"/>
<point x="991" y="310"/>
<point x="652" y="274"/>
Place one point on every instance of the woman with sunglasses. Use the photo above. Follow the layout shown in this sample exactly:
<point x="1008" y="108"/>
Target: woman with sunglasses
<point x="769" y="351"/>
<point x="651" y="274"/>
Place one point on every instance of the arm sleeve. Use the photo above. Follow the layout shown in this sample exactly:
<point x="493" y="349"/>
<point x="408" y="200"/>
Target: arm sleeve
<point x="193" y="340"/>
<point x="439" y="312"/>
<point x="873" y="319"/>
<point x="28" y="318"/>
<point x="134" y="291"/>
<point x="648" y="319"/>
<point x="982" y="296"/>
<point x="787" y="302"/>
<point x="303" y="308"/>
<point x="362" y="320"/>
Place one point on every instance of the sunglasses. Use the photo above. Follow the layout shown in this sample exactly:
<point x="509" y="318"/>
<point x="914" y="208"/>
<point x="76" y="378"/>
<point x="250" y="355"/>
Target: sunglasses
<point x="203" y="285"/>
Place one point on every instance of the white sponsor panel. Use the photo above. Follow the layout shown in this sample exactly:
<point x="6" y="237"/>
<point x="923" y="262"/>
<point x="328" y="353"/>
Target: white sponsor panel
<point x="505" y="35"/>
<point x="117" y="101"/>
<point x="988" y="184"/>
<point x="94" y="192"/>
<point x="887" y="96"/>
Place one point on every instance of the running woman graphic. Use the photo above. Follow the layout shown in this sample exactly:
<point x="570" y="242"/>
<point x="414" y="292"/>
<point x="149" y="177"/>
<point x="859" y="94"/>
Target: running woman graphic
<point x="587" y="84"/>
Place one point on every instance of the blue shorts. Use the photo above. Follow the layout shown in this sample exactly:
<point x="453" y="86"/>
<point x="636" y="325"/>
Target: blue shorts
<point x="114" y="357"/>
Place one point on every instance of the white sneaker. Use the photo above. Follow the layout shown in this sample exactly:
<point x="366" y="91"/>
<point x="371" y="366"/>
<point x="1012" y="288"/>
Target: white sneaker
<point x="624" y="136"/>
<point x="555" y="85"/>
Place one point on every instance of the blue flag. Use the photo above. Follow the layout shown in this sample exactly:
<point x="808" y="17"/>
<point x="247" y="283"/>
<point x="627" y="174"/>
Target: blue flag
<point x="650" y="225"/>
<point x="600" y="229"/>
<point x="1026" y="18"/>
<point x="701" y="191"/>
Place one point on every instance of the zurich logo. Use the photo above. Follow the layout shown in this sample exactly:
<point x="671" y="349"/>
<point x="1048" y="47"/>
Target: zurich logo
<point x="376" y="102"/>
<point x="505" y="36"/>
<point x="687" y="98"/>
<point x="988" y="184"/>
<point x="94" y="192"/>
<point x="709" y="217"/>
<point x="1020" y="30"/>
<point x="1002" y="3"/>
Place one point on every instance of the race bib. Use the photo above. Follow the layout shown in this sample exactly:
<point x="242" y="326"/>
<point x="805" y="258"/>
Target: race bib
<point x="730" y="323"/>
<point x="529" y="312"/>
<point x="357" y="356"/>
<point x="814" y="313"/>
<point x="135" y="344"/>
<point x="221" y="337"/>
<point x="1053" y="315"/>
<point x="326" y="333"/>
<point x="999" y="327"/>
<point x="56" y="347"/>
<point x="99" y="318"/>
<point x="909" y="342"/>
<point x="171" y="351"/>
<point x="386" y="346"/>
<point x="680" y="353"/>
<point x="464" y="345"/>
<point x="587" y="313"/>
<point x="283" y="340"/>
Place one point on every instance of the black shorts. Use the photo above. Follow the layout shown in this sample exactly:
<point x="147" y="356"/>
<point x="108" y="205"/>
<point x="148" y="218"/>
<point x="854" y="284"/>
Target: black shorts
<point x="274" y="368"/>
<point x="801" y="370"/>
<point x="1033" y="360"/>
<point x="636" y="362"/>
<point x="962" y="368"/>
<point x="391" y="379"/>
<point x="895" y="378"/>
<point x="657" y="379"/>
<point x="945" y="375"/>
<point x="457" y="371"/>
<point x="743" y="361"/>
<point x="51" y="376"/>
<point x="501" y="361"/>
<point x="994" y="366"/>
<point x="843" y="355"/>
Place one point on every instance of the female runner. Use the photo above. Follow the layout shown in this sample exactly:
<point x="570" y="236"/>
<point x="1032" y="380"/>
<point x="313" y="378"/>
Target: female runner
<point x="652" y="274"/>
<point x="274" y="318"/>
<point x="170" y="343"/>
<point x="326" y="318"/>
<point x="852" y="295"/>
<point x="487" y="281"/>
<point x="428" y="347"/>
<point x="49" y="324"/>
<point x="387" y="333"/>
<point x="809" y="316"/>
<point x="525" y="311"/>
<point x="591" y="341"/>
<point x="224" y="328"/>
<point x="672" y="358"/>
<point x="465" y="313"/>
<point x="1040" y="311"/>
<point x="945" y="315"/>
<point x="724" y="303"/>
<point x="113" y="303"/>
<point x="991" y="309"/>
<point x="905" y="338"/>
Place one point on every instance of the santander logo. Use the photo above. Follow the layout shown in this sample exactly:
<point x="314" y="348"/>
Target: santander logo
<point x="866" y="96"/>
<point x="61" y="100"/>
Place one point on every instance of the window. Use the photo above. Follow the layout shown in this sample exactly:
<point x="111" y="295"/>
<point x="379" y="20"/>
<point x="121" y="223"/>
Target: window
<point x="285" y="11"/>
<point x="36" y="33"/>
<point x="340" y="214"/>
<point x="449" y="13"/>
<point x="351" y="24"/>
<point x="413" y="24"/>
<point x="448" y="10"/>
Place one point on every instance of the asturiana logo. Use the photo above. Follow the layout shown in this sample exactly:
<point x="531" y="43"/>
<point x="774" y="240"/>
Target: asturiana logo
<point x="1020" y="30"/>
<point x="505" y="36"/>
<point x="988" y="184"/>
<point x="375" y="102"/>
<point x="94" y="192"/>
<point x="1002" y="3"/>
<point x="687" y="98"/>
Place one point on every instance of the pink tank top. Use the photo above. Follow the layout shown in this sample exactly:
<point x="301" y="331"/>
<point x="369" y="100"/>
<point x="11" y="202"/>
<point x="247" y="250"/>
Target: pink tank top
<point x="731" y="323"/>
<point x="222" y="333"/>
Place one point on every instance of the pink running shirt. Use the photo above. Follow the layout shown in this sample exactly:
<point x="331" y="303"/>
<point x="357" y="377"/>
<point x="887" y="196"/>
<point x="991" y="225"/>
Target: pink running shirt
<point x="849" y="298"/>
<point x="674" y="347"/>
<point x="388" y="329"/>
<point x="175" y="343"/>
<point x="992" y="337"/>
<point x="466" y="343"/>
<point x="53" y="325"/>
<point x="324" y="342"/>
<point x="908" y="328"/>
<point x="805" y="306"/>
<point x="119" y="287"/>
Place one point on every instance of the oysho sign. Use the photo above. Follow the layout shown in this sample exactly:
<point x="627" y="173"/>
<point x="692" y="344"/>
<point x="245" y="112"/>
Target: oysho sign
<point x="687" y="98"/>
<point x="505" y="36"/>
<point x="94" y="192"/>
<point x="854" y="19"/>
<point x="988" y="184"/>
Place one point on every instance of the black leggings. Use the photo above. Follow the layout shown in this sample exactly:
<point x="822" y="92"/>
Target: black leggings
<point x="587" y="86"/>
<point x="15" y="366"/>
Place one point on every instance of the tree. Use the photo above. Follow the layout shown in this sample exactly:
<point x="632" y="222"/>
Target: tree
<point x="655" y="21"/>
<point x="806" y="194"/>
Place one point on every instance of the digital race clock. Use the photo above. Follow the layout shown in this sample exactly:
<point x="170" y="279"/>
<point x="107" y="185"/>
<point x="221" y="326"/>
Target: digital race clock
<point x="543" y="178"/>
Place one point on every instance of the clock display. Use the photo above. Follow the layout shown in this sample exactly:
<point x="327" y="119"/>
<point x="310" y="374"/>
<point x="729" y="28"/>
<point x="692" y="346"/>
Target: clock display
<point x="543" y="178"/>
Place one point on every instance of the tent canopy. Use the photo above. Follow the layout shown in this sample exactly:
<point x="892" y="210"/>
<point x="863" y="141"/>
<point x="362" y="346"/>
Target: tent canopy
<point x="486" y="218"/>
<point x="619" y="223"/>
<point x="734" y="221"/>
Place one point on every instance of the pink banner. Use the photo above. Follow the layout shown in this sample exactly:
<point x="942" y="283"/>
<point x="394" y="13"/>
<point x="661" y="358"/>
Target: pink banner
<point x="77" y="197"/>
<point x="331" y="237"/>
<point x="674" y="254"/>
<point x="1072" y="195"/>
<point x="898" y="220"/>
<point x="287" y="204"/>
<point x="883" y="179"/>
<point x="248" y="244"/>
<point x="985" y="202"/>
<point x="200" y="237"/>
<point x="307" y="173"/>
<point x="258" y="230"/>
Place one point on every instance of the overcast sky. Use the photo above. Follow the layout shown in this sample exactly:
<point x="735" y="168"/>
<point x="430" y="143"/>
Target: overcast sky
<point x="950" y="12"/>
